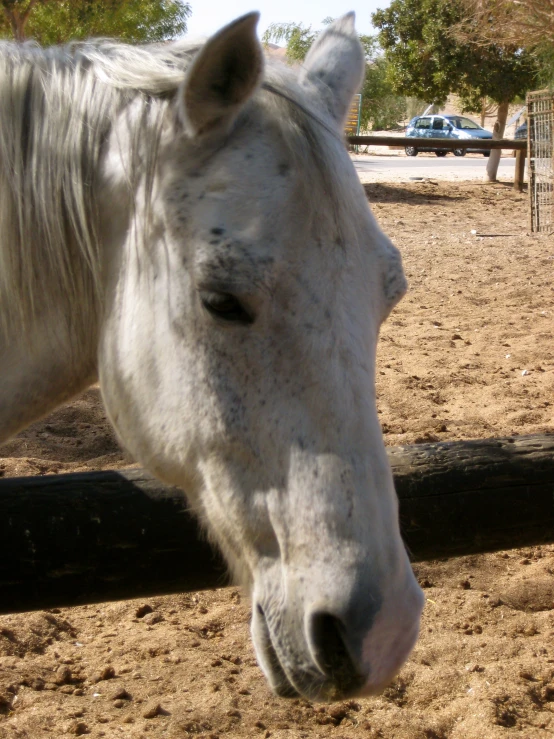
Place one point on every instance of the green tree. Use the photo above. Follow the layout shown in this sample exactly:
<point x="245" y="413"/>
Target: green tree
<point x="381" y="107"/>
<point x="527" y="24"/>
<point x="297" y="38"/>
<point x="56" y="21"/>
<point x="428" y="61"/>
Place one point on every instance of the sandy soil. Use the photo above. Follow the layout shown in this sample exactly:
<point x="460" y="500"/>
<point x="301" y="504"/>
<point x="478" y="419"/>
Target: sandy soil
<point x="469" y="353"/>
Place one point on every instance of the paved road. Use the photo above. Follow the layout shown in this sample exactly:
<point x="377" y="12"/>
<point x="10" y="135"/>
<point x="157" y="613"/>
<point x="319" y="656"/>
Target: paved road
<point x="378" y="168"/>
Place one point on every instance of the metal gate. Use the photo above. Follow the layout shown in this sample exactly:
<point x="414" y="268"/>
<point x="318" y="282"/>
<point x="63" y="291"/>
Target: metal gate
<point x="352" y="125"/>
<point x="540" y="133"/>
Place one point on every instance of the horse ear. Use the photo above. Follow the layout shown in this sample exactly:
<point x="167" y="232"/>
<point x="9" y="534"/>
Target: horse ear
<point x="222" y="77"/>
<point x="335" y="64"/>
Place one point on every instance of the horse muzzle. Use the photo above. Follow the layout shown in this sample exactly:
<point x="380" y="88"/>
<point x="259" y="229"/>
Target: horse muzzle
<point x="329" y="649"/>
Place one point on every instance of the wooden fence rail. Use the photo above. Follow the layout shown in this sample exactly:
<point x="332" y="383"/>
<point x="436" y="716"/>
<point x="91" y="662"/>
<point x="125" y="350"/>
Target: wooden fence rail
<point x="517" y="145"/>
<point x="450" y="144"/>
<point x="87" y="538"/>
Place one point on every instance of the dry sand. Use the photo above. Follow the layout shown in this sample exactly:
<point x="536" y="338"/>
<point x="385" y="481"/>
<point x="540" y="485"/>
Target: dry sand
<point x="468" y="354"/>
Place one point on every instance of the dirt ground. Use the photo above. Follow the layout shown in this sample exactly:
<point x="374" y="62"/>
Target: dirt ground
<point x="469" y="353"/>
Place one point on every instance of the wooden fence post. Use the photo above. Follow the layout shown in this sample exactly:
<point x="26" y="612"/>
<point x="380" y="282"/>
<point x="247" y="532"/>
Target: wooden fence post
<point x="520" y="170"/>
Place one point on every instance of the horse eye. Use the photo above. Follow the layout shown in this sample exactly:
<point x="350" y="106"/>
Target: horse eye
<point x="226" y="307"/>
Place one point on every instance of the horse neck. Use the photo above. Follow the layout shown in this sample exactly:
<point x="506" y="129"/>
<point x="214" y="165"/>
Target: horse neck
<point x="48" y="251"/>
<point x="42" y="366"/>
<point x="48" y="349"/>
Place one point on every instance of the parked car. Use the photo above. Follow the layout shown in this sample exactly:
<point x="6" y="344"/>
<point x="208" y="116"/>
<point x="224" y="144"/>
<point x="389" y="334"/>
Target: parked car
<point x="521" y="131"/>
<point x="445" y="127"/>
<point x="541" y="133"/>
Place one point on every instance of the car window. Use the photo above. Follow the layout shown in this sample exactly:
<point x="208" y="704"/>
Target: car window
<point x="423" y="123"/>
<point x="438" y="124"/>
<point x="464" y="123"/>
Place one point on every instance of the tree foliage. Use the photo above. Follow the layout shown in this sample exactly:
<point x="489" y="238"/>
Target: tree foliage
<point x="296" y="37"/>
<point x="428" y="61"/>
<point x="56" y="21"/>
<point x="519" y="23"/>
<point x="381" y="107"/>
<point x="525" y="24"/>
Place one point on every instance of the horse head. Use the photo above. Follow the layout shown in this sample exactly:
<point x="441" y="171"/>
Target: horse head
<point x="238" y="345"/>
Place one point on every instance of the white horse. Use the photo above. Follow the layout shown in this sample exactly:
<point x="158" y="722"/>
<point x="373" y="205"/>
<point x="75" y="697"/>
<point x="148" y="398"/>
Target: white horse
<point x="184" y="225"/>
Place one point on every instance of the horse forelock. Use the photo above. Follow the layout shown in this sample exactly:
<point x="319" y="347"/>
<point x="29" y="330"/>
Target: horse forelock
<point x="57" y="108"/>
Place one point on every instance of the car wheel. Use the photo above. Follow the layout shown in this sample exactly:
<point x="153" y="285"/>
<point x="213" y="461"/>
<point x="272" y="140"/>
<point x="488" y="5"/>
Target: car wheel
<point x="411" y="151"/>
<point x="459" y="152"/>
<point x="486" y="153"/>
<point x="441" y="153"/>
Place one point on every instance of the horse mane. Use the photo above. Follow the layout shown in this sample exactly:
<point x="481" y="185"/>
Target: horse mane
<point x="57" y="107"/>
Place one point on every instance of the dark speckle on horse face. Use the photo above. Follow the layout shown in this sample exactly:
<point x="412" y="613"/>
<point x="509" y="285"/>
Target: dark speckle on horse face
<point x="283" y="169"/>
<point x="217" y="231"/>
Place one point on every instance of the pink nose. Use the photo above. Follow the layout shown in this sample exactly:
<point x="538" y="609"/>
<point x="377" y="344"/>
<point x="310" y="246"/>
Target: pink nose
<point x="392" y="637"/>
<point x="364" y="666"/>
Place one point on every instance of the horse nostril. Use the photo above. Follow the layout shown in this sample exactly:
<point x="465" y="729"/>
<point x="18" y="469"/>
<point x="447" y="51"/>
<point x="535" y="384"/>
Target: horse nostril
<point x="329" y="649"/>
<point x="331" y="654"/>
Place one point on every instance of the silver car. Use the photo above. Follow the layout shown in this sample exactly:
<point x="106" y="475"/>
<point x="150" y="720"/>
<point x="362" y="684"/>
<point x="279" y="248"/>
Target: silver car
<point x="447" y="127"/>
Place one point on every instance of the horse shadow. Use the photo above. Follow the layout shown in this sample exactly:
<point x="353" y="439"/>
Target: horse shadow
<point x="377" y="192"/>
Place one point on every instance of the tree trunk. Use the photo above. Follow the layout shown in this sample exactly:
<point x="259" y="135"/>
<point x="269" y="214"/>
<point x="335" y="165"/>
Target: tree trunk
<point x="498" y="133"/>
<point x="18" y="20"/>
<point x="16" y="25"/>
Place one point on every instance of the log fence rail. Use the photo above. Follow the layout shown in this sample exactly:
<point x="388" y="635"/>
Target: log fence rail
<point x="517" y="145"/>
<point x="92" y="537"/>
